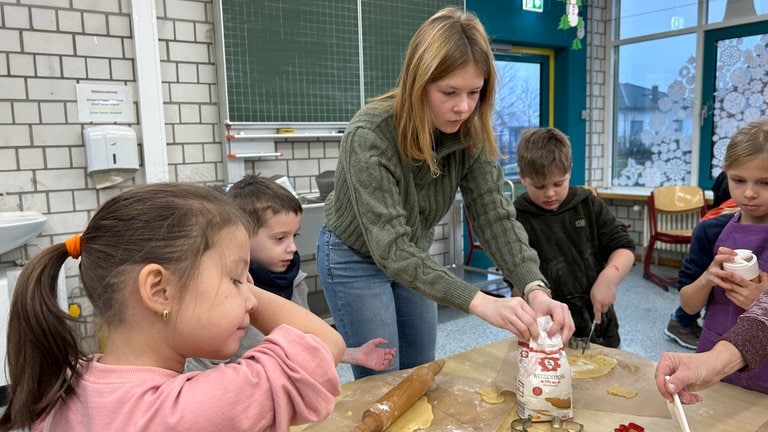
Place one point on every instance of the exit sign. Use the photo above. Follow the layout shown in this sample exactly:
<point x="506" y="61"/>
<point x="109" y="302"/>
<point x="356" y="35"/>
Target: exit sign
<point x="533" y="5"/>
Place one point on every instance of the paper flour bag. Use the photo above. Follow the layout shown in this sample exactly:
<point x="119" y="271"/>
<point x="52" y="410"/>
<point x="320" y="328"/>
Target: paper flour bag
<point x="544" y="377"/>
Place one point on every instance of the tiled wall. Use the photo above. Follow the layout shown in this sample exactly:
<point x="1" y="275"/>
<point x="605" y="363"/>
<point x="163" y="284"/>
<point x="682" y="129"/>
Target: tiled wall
<point x="49" y="46"/>
<point x="596" y="139"/>
<point x="632" y="214"/>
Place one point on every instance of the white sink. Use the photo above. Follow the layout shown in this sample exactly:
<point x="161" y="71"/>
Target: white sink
<point x="19" y="227"/>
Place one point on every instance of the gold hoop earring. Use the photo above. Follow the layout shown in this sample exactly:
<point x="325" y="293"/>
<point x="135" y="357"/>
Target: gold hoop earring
<point x="164" y="314"/>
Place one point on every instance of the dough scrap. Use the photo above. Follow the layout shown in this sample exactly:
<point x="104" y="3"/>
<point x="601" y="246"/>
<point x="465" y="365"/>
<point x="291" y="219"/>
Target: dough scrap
<point x="590" y="365"/>
<point x="617" y="390"/>
<point x="562" y="403"/>
<point x="418" y="417"/>
<point x="490" y="395"/>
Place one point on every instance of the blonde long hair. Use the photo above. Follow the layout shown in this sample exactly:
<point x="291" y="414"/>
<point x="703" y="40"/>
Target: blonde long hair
<point x="748" y="143"/>
<point x="446" y="42"/>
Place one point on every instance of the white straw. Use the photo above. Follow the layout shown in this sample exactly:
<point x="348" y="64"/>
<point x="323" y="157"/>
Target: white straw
<point x="679" y="411"/>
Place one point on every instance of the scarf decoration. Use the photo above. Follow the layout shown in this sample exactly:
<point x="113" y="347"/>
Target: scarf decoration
<point x="277" y="283"/>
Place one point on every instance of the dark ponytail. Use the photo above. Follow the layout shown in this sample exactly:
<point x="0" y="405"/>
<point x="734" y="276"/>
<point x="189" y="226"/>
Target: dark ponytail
<point x="169" y="224"/>
<point x="43" y="352"/>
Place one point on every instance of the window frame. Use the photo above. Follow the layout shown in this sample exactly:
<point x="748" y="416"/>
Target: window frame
<point x="546" y="59"/>
<point x="709" y="62"/>
<point x="699" y="157"/>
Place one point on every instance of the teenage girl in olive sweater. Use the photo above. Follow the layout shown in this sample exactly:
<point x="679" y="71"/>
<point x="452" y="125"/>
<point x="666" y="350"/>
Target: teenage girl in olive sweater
<point x="402" y="159"/>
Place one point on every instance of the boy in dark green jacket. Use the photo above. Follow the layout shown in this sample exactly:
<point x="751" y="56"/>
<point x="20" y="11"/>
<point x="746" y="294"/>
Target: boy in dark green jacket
<point x="585" y="252"/>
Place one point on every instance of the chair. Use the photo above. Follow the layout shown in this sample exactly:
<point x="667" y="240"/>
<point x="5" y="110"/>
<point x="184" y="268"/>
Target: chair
<point x="591" y="189"/>
<point x="673" y="212"/>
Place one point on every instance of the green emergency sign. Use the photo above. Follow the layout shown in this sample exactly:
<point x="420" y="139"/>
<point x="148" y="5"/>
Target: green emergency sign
<point x="533" y="5"/>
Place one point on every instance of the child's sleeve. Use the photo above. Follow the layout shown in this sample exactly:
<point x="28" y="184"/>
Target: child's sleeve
<point x="288" y="379"/>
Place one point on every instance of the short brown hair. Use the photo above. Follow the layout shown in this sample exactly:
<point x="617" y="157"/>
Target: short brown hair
<point x="542" y="152"/>
<point x="260" y="198"/>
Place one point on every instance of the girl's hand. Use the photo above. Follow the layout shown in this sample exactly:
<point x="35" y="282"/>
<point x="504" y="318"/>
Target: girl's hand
<point x="715" y="273"/>
<point x="512" y="314"/>
<point x="562" y="321"/>
<point x="519" y="317"/>
<point x="744" y="292"/>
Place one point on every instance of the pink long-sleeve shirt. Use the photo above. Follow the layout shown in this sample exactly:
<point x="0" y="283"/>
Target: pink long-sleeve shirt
<point x="290" y="378"/>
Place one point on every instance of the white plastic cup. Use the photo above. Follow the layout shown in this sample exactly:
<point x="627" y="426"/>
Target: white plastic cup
<point x="745" y="264"/>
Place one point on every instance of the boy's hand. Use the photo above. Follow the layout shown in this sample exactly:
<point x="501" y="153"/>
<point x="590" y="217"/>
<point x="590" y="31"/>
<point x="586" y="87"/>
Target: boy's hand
<point x="602" y="295"/>
<point x="370" y="355"/>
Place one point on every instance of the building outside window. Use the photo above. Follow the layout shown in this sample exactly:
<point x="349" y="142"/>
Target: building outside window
<point x="662" y="133"/>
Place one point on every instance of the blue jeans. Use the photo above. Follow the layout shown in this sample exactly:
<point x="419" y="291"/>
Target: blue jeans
<point x="367" y="303"/>
<point x="684" y="318"/>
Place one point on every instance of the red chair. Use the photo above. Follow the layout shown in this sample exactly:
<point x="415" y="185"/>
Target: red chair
<point x="673" y="212"/>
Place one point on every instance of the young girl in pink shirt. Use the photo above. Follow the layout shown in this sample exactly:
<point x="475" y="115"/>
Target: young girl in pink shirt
<point x="166" y="266"/>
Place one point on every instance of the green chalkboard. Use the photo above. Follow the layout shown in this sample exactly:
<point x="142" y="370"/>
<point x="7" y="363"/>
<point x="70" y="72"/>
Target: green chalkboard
<point x="295" y="61"/>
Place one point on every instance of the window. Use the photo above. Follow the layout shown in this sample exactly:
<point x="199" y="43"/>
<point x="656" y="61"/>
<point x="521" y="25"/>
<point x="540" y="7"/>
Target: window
<point x="521" y="100"/>
<point x="654" y="97"/>
<point x="657" y="120"/>
<point x="639" y="18"/>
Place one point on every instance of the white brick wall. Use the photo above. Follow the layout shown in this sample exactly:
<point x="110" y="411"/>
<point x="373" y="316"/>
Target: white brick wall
<point x="47" y="47"/>
<point x="596" y="82"/>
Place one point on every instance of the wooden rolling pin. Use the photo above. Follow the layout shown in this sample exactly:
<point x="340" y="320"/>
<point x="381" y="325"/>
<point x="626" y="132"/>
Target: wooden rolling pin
<point x="400" y="398"/>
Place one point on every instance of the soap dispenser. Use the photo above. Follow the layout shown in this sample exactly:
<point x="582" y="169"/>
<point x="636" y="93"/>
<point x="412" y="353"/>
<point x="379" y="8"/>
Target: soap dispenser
<point x="111" y="154"/>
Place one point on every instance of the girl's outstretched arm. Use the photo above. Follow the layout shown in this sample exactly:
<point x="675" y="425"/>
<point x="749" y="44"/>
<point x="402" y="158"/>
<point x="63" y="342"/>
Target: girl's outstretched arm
<point x="272" y="310"/>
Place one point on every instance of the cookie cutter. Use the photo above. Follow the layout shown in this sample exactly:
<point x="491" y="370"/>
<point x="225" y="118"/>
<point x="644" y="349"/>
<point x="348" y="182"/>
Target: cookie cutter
<point x="577" y="343"/>
<point x="556" y="425"/>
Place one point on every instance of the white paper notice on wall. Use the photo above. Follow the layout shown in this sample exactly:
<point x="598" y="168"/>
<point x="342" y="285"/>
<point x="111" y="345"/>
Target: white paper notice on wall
<point x="105" y="103"/>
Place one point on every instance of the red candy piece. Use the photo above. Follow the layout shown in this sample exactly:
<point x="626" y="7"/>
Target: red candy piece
<point x="630" y="427"/>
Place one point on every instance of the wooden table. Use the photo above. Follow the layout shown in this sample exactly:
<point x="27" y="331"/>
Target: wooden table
<point x="457" y="406"/>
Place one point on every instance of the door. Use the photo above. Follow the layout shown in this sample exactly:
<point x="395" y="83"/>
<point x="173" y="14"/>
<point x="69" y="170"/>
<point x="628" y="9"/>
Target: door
<point x="524" y="98"/>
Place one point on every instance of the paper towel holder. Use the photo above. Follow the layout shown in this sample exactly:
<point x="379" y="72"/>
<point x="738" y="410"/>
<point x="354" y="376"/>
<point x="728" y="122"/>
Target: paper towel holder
<point x="111" y="154"/>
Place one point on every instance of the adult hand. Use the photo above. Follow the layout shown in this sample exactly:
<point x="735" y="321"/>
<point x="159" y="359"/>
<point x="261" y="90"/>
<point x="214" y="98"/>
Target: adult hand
<point x="693" y="372"/>
<point x="509" y="313"/>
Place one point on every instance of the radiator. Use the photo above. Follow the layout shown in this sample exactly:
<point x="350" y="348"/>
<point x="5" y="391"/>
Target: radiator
<point x="670" y="221"/>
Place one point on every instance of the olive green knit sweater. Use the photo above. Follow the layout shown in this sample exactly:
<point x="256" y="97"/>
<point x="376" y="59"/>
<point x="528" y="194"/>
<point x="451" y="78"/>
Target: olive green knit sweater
<point x="387" y="208"/>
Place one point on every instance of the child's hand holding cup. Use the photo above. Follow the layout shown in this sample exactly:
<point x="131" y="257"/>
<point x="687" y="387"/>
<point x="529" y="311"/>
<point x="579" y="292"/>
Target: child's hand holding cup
<point x="744" y="265"/>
